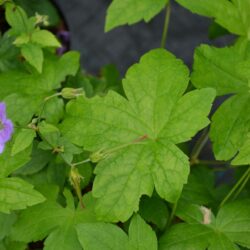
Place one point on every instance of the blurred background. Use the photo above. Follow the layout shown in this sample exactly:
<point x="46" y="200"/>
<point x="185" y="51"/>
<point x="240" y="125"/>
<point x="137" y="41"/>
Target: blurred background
<point x="124" y="46"/>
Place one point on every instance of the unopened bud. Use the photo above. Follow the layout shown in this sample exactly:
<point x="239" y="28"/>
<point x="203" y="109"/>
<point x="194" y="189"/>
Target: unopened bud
<point x="75" y="178"/>
<point x="70" y="93"/>
<point x="97" y="156"/>
<point x="42" y="19"/>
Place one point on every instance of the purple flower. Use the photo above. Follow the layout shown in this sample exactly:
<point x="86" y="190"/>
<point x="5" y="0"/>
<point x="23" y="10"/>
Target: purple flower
<point x="6" y="127"/>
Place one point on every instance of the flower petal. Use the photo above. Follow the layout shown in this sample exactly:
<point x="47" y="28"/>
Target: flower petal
<point x="6" y="132"/>
<point x="2" y="111"/>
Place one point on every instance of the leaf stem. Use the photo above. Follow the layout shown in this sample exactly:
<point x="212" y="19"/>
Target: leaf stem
<point x="242" y="186"/>
<point x="44" y="103"/>
<point x="235" y="187"/>
<point x="81" y="162"/>
<point x="171" y="217"/>
<point x="201" y="142"/>
<point x="166" y="26"/>
<point x="208" y="162"/>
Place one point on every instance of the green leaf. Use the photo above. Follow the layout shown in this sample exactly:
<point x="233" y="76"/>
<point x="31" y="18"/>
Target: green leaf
<point x="24" y="92"/>
<point x="39" y="159"/>
<point x="148" y="208"/>
<point x="17" y="19"/>
<point x="52" y="220"/>
<point x="234" y="221"/>
<point x="23" y="140"/>
<point x="243" y="157"/>
<point x="54" y="110"/>
<point x="63" y="238"/>
<point x="122" y="12"/>
<point x="219" y="68"/>
<point x="135" y="131"/>
<point x="44" y="38"/>
<point x="232" y="15"/>
<point x="230" y="125"/>
<point x="96" y="236"/>
<point x="186" y="236"/>
<point x="50" y="134"/>
<point x="17" y="194"/>
<point x="141" y="235"/>
<point x="231" y="227"/>
<point x="200" y="188"/>
<point x="44" y="7"/>
<point x="8" y="54"/>
<point x="34" y="55"/>
<point x="226" y="70"/>
<point x="14" y="162"/>
<point x="6" y="222"/>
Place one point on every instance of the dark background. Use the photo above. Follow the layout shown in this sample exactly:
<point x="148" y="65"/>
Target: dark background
<point x="123" y="46"/>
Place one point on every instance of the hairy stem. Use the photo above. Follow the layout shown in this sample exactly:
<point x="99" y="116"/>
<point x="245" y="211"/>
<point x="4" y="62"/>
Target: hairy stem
<point x="166" y="26"/>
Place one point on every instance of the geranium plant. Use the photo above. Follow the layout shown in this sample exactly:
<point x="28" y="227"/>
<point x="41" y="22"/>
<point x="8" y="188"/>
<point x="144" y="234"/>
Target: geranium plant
<point x="96" y="163"/>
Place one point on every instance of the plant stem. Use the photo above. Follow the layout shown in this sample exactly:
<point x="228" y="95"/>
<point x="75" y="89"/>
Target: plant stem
<point x="201" y="142"/>
<point x="166" y="25"/>
<point x="208" y="162"/>
<point x="81" y="162"/>
<point x="171" y="217"/>
<point x="234" y="189"/>
<point x="242" y="186"/>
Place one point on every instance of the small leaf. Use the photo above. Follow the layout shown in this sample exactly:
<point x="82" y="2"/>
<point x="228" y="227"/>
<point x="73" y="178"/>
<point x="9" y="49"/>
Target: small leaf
<point x="23" y="140"/>
<point x="96" y="236"/>
<point x="63" y="238"/>
<point x="17" y="194"/>
<point x="34" y="55"/>
<point x="16" y="18"/>
<point x="243" y="157"/>
<point x="230" y="125"/>
<point x="148" y="208"/>
<point x="45" y="38"/>
<point x="14" y="162"/>
<point x="132" y="11"/>
<point x="141" y="235"/>
<point x="186" y="236"/>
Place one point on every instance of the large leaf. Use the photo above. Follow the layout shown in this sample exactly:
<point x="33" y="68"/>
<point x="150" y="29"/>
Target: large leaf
<point x="17" y="194"/>
<point x="232" y="15"/>
<point x="132" y="11"/>
<point x="141" y="131"/>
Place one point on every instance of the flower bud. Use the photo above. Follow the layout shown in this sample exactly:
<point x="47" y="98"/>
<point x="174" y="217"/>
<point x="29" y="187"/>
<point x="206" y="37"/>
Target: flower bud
<point x="70" y="93"/>
<point x="75" y="178"/>
<point x="97" y="156"/>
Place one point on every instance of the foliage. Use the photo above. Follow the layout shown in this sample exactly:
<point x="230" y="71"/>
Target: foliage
<point x="96" y="162"/>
